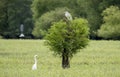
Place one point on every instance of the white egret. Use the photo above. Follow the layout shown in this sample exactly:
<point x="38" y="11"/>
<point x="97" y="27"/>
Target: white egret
<point x="21" y="30"/>
<point x="22" y="35"/>
<point x="68" y="16"/>
<point x="34" y="67"/>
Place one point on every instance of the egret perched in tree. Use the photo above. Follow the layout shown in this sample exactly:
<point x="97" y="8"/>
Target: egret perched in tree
<point x="68" y="16"/>
<point x="34" y="67"/>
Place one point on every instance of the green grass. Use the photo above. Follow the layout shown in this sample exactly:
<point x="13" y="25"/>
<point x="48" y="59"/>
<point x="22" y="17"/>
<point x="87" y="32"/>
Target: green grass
<point x="99" y="59"/>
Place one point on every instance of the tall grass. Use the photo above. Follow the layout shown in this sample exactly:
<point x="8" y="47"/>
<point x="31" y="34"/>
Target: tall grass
<point x="98" y="59"/>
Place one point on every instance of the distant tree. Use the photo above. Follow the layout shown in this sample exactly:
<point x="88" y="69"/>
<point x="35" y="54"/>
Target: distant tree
<point x="110" y="29"/>
<point x="65" y="39"/>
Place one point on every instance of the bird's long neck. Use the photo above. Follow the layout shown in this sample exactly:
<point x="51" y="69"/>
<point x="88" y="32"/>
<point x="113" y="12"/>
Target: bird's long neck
<point x="35" y="60"/>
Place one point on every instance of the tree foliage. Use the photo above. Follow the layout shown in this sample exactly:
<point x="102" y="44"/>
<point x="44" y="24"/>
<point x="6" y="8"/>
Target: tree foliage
<point x="66" y="39"/>
<point x="110" y="29"/>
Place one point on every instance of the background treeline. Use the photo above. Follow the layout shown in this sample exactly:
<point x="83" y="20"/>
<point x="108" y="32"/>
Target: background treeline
<point x="38" y="15"/>
<point x="13" y="13"/>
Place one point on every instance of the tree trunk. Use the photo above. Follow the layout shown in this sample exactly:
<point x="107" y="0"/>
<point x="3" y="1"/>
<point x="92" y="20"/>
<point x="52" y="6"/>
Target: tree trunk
<point x="65" y="60"/>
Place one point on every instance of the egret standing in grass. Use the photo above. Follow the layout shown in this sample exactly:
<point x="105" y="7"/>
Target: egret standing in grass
<point x="34" y="67"/>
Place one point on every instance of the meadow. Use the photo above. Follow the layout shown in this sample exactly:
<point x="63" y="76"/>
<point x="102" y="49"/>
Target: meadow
<point x="98" y="59"/>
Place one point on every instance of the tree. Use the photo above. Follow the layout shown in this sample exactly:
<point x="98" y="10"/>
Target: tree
<point x="65" y="39"/>
<point x="110" y="29"/>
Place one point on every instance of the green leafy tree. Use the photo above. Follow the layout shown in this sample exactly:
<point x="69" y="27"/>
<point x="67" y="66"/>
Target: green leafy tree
<point x="65" y="39"/>
<point x="110" y="29"/>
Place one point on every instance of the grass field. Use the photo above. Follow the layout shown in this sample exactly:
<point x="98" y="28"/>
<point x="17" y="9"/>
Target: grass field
<point x="99" y="59"/>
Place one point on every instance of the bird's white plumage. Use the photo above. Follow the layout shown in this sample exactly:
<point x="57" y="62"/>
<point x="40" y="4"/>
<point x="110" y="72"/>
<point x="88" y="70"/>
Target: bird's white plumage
<point x="34" y="67"/>
<point x="68" y="15"/>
